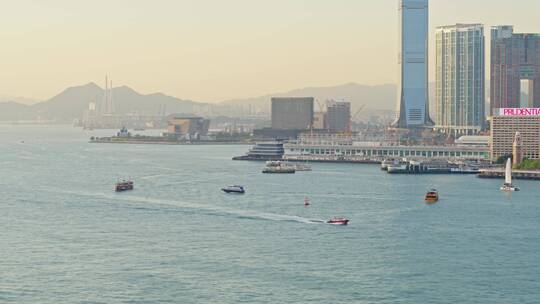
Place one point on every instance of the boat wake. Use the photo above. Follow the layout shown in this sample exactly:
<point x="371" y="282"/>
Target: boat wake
<point x="242" y="214"/>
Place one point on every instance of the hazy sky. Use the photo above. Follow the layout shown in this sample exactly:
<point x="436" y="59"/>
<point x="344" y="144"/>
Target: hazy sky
<point x="211" y="50"/>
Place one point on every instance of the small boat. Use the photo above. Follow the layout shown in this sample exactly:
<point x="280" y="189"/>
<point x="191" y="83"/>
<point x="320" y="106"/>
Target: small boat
<point x="278" y="167"/>
<point x="338" y="221"/>
<point x="386" y="162"/>
<point x="124" y="185"/>
<point x="234" y="189"/>
<point x="282" y="170"/>
<point x="432" y="196"/>
<point x="306" y="201"/>
<point x="507" y="186"/>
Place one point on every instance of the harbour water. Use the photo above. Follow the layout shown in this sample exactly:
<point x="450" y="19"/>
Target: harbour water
<point x="66" y="237"/>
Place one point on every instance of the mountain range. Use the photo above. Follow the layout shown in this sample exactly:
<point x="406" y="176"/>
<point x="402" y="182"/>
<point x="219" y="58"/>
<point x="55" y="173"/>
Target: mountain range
<point x="71" y="103"/>
<point x="379" y="97"/>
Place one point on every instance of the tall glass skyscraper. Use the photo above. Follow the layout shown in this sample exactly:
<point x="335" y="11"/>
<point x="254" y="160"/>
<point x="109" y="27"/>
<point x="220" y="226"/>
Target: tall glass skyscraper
<point x="460" y="79"/>
<point x="515" y="69"/>
<point x="413" y="100"/>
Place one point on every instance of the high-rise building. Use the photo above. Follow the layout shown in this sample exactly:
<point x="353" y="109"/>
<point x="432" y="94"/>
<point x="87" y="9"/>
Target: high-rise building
<point x="413" y="100"/>
<point x="506" y="123"/>
<point x="460" y="79"/>
<point x="292" y="113"/>
<point x="338" y="116"/>
<point x="515" y="69"/>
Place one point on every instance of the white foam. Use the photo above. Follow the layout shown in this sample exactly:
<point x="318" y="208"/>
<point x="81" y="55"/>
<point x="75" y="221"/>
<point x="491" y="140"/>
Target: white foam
<point x="189" y="205"/>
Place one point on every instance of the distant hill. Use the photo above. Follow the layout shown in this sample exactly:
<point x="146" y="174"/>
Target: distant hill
<point x="379" y="97"/>
<point x="15" y="111"/>
<point x="69" y="104"/>
<point x="72" y="102"/>
<point x="18" y="99"/>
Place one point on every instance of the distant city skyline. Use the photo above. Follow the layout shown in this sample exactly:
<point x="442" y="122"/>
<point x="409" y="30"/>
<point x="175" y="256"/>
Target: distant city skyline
<point x="214" y="50"/>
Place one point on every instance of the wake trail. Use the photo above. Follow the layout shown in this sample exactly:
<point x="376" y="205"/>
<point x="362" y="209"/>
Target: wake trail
<point x="246" y="214"/>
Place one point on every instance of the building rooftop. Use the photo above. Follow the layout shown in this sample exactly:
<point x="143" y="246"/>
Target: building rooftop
<point x="461" y="26"/>
<point x="473" y="140"/>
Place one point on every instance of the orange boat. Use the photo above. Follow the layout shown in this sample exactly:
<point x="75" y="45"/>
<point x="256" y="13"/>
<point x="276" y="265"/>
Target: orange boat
<point x="432" y="196"/>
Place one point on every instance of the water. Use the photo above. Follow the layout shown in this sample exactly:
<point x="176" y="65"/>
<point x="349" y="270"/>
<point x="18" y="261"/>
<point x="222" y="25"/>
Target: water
<point x="66" y="237"/>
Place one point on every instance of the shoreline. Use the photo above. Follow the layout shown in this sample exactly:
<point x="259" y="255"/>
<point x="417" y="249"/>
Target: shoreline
<point x="171" y="143"/>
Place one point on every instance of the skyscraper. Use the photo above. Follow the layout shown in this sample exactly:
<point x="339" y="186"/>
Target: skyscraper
<point x="460" y="79"/>
<point x="515" y="69"/>
<point x="292" y="113"/>
<point x="338" y="116"/>
<point x="413" y="102"/>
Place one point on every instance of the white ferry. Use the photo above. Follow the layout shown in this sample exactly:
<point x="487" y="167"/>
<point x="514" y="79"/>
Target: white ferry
<point x="279" y="167"/>
<point x="270" y="150"/>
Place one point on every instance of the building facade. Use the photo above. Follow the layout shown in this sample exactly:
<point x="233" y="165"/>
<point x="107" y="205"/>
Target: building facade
<point x="503" y="133"/>
<point x="460" y="79"/>
<point x="292" y="113"/>
<point x="338" y="116"/>
<point x="335" y="146"/>
<point x="413" y="96"/>
<point x="187" y="127"/>
<point x="515" y="69"/>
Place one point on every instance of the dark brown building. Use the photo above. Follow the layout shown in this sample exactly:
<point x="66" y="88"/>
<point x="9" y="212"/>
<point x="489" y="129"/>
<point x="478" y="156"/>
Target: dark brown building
<point x="515" y="69"/>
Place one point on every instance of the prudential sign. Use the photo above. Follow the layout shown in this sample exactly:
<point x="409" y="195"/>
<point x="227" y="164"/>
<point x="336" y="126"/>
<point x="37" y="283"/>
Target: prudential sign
<point x="519" y="112"/>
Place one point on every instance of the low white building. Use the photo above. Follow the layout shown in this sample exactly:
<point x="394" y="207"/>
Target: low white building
<point x="349" y="147"/>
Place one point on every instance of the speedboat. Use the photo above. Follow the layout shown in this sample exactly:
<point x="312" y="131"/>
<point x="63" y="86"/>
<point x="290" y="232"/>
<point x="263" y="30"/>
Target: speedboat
<point x="508" y="186"/>
<point x="234" y="189"/>
<point x="432" y="196"/>
<point x="338" y="221"/>
<point x="124" y="185"/>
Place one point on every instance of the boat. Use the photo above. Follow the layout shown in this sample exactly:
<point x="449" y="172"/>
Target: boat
<point x="279" y="167"/>
<point x="298" y="166"/>
<point x="234" y="189"/>
<point x="264" y="151"/>
<point x="507" y="186"/>
<point x="386" y="162"/>
<point x="340" y="221"/>
<point x="302" y="167"/>
<point x="306" y="201"/>
<point x="432" y="196"/>
<point x="397" y="167"/>
<point x="123" y="185"/>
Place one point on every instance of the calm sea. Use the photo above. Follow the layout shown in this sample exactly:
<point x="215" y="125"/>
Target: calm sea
<point x="66" y="237"/>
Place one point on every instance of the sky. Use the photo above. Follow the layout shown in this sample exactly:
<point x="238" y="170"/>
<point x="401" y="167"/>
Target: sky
<point x="213" y="50"/>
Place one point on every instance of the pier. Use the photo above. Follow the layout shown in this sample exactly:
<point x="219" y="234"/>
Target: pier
<point x="517" y="174"/>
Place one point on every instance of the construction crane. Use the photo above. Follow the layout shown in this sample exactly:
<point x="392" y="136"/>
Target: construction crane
<point x="353" y="117"/>
<point x="320" y="105"/>
<point x="362" y="107"/>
